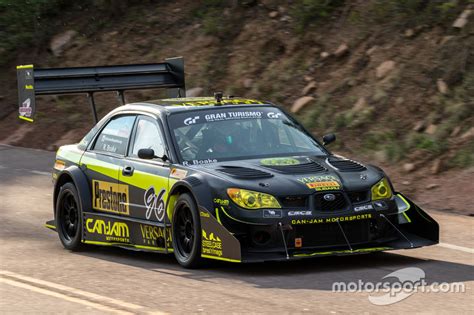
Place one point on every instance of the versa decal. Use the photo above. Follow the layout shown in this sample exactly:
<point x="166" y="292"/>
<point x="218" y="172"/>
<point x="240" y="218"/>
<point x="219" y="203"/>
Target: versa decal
<point x="154" y="203"/>
<point x="110" y="197"/>
<point x="155" y="235"/>
<point x="333" y="220"/>
<point x="211" y="244"/>
<point x="321" y="183"/>
<point x="114" y="232"/>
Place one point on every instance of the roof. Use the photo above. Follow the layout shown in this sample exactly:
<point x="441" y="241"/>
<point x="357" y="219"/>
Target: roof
<point x="186" y="103"/>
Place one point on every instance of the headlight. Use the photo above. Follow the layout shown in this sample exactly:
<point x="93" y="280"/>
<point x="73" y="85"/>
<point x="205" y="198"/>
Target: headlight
<point x="251" y="199"/>
<point x="381" y="190"/>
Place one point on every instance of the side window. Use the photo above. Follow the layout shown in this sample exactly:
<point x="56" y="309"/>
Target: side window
<point x="114" y="137"/>
<point x="148" y="136"/>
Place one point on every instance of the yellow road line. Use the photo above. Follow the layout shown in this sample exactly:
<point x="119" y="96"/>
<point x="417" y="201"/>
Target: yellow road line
<point x="62" y="296"/>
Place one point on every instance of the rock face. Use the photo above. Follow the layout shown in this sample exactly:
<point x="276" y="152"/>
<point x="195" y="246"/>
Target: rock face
<point x="310" y="87"/>
<point x="194" y="92"/>
<point x="431" y="129"/>
<point x="462" y="19"/>
<point x="409" y="167"/>
<point x="384" y="68"/>
<point x="442" y="86"/>
<point x="247" y="83"/>
<point x="300" y="103"/>
<point x="61" y="41"/>
<point x="361" y="104"/>
<point x="341" y="51"/>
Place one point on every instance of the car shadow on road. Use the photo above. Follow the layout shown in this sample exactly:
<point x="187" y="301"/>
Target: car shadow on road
<point x="310" y="274"/>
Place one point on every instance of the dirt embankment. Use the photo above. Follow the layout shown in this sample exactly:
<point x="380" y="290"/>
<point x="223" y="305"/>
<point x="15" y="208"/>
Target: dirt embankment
<point x="394" y="80"/>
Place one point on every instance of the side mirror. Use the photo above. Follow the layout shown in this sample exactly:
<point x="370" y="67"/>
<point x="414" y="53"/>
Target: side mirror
<point x="327" y="139"/>
<point x="146" y="154"/>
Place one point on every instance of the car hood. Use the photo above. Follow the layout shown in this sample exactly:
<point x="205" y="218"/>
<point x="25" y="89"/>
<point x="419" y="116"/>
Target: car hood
<point x="298" y="175"/>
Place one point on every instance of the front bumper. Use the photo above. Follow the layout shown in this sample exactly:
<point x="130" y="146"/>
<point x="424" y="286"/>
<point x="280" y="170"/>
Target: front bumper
<point x="344" y="232"/>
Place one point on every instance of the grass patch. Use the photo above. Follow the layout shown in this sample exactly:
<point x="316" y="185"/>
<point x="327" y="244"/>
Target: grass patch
<point x="306" y="12"/>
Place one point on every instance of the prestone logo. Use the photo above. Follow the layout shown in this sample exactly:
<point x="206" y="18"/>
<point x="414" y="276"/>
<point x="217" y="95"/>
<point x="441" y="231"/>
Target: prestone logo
<point x="397" y="286"/>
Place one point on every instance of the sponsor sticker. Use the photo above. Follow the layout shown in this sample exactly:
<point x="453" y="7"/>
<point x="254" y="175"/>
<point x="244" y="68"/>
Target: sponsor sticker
<point x="191" y="120"/>
<point x="233" y="115"/>
<point x="333" y="219"/>
<point x="221" y="202"/>
<point x="321" y="183"/>
<point x="363" y="207"/>
<point x="268" y="213"/>
<point x="110" y="197"/>
<point x="25" y="108"/>
<point x="113" y="231"/>
<point x="299" y="213"/>
<point x="59" y="165"/>
<point x="211" y="244"/>
<point x="204" y="214"/>
<point x="279" y="161"/>
<point x="155" y="235"/>
<point x="273" y="115"/>
<point x="178" y="173"/>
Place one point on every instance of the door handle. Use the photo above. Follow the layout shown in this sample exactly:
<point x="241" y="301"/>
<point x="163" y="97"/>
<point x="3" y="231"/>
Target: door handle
<point x="127" y="171"/>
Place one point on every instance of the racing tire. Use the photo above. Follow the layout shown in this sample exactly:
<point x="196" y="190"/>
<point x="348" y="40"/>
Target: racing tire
<point x="69" y="218"/>
<point x="186" y="232"/>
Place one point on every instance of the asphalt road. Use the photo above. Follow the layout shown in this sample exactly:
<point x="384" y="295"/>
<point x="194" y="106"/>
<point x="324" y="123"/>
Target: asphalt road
<point x="38" y="276"/>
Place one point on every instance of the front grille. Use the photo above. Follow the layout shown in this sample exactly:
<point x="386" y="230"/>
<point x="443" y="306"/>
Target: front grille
<point x="339" y="203"/>
<point x="310" y="167"/>
<point x="358" y="196"/>
<point x="244" y="172"/>
<point x="347" y="165"/>
<point x="330" y="235"/>
<point x="294" y="201"/>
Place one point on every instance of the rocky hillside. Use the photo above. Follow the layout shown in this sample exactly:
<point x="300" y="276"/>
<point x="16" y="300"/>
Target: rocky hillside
<point x="394" y="79"/>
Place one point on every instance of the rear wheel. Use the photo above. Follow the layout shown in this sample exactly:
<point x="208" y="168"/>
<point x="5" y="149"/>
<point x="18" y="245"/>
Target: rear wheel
<point x="69" y="217"/>
<point x="187" y="232"/>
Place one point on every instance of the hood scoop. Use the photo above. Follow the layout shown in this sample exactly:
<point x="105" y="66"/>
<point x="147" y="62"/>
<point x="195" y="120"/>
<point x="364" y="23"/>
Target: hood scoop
<point x="310" y="167"/>
<point x="243" y="172"/>
<point x="346" y="165"/>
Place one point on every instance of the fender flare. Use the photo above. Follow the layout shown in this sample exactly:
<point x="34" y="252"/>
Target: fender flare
<point x="82" y="185"/>
<point x="178" y="187"/>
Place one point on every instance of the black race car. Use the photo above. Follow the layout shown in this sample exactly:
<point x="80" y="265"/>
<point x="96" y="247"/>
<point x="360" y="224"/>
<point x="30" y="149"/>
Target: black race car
<point x="221" y="178"/>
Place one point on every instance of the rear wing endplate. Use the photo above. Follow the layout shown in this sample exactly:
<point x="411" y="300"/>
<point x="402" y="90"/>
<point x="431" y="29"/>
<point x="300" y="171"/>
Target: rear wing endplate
<point x="33" y="81"/>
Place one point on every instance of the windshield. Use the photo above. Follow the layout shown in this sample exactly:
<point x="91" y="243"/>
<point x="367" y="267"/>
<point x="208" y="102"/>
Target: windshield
<point x="207" y="136"/>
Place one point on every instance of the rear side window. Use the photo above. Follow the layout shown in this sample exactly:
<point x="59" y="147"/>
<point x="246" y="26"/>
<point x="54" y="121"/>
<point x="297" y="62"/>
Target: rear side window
<point x="115" y="135"/>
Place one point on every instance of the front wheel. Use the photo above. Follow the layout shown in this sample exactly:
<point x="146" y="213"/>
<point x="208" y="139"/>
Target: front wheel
<point x="187" y="232"/>
<point x="69" y="217"/>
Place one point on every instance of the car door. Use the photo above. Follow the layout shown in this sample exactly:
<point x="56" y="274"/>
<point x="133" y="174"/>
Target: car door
<point x="148" y="179"/>
<point x="101" y="164"/>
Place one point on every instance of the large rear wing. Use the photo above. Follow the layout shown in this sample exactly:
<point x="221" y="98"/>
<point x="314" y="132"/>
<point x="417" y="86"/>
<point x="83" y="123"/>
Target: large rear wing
<point x="33" y="81"/>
